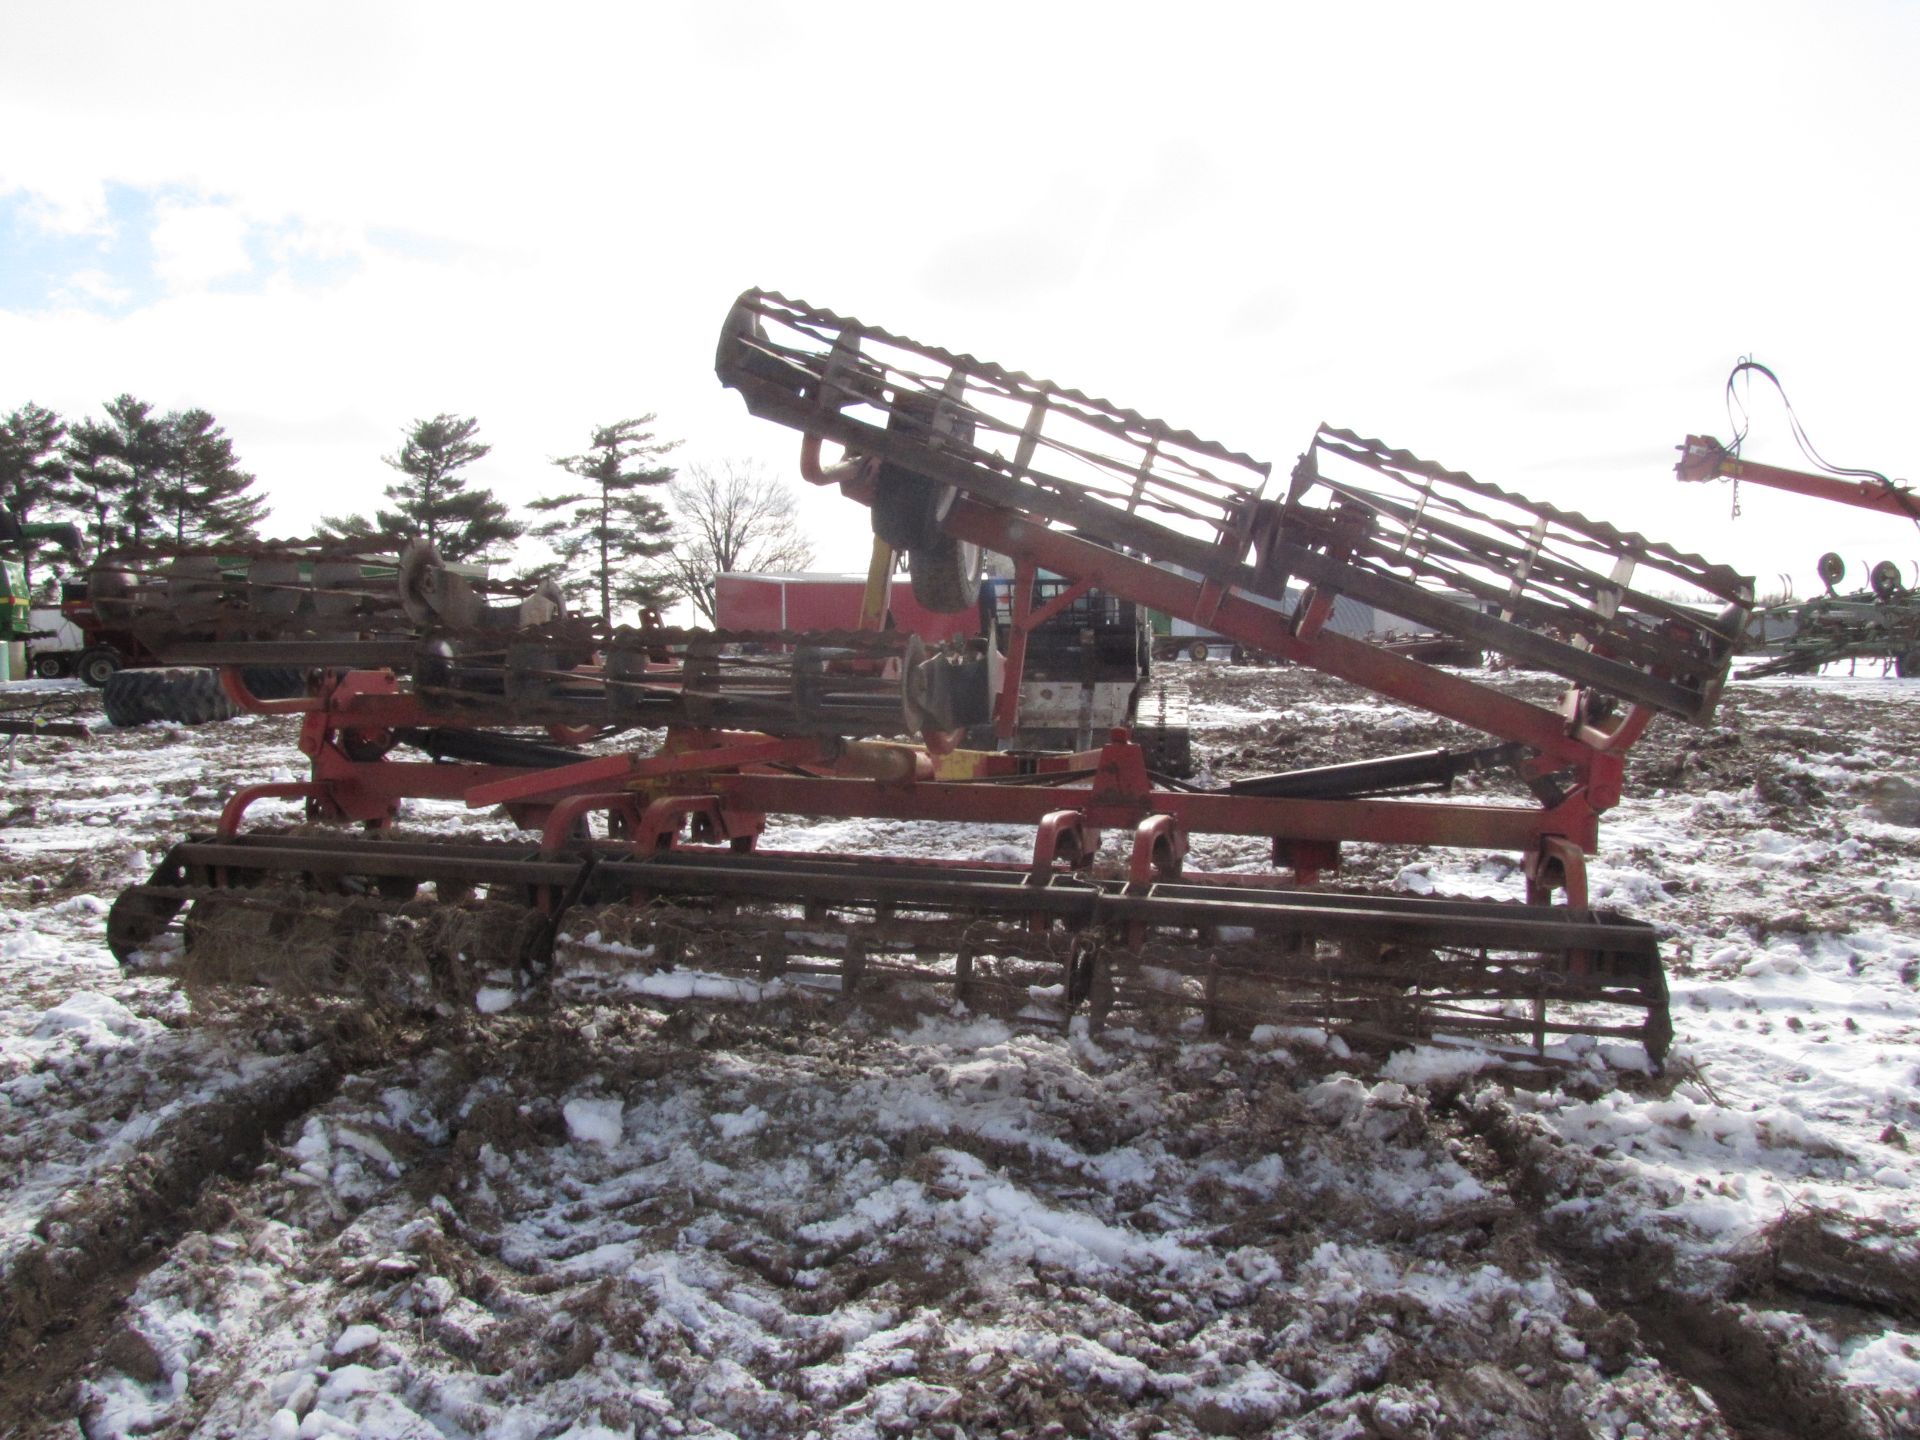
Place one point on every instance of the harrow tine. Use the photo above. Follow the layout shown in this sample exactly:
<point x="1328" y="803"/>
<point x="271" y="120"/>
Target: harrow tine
<point x="868" y="927"/>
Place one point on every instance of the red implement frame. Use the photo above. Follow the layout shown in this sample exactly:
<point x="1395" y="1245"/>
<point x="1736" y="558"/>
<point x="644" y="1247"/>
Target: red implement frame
<point x="1130" y="508"/>
<point x="719" y="786"/>
<point x="1704" y="458"/>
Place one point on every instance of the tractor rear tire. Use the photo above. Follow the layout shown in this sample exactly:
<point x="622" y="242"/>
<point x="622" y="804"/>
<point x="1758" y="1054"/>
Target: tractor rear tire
<point x="183" y="695"/>
<point x="124" y="698"/>
<point x="95" y="665"/>
<point x="190" y="697"/>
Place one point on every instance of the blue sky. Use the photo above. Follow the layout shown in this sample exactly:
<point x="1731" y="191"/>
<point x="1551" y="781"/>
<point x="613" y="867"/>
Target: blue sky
<point x="1517" y="239"/>
<point x="111" y="270"/>
<point x="134" y="252"/>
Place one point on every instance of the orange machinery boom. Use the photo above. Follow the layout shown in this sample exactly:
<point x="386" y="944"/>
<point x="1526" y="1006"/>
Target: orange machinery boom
<point x="1705" y="458"/>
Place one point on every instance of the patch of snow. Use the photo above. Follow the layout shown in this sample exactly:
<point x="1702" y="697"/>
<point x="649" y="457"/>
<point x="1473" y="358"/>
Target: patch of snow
<point x="595" y="1122"/>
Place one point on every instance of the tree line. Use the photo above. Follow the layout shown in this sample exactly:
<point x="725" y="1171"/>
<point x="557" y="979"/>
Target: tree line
<point x="132" y="477"/>
<point x="626" y="529"/>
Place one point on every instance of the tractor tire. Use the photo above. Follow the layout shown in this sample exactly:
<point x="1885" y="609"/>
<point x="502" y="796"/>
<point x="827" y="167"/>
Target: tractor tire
<point x="945" y="575"/>
<point x="1907" y="666"/>
<point x="275" y="682"/>
<point x="190" y="696"/>
<point x="181" y="695"/>
<point x="124" y="698"/>
<point x="95" y="665"/>
<point x="1197" y="650"/>
<point x="49" y="667"/>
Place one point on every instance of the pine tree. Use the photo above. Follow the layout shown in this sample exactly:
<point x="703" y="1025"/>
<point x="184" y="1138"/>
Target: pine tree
<point x="433" y="502"/>
<point x="346" y="527"/>
<point x="93" y="482"/>
<point x="33" y="471"/>
<point x="603" y="533"/>
<point x="117" y="465"/>
<point x="201" y="493"/>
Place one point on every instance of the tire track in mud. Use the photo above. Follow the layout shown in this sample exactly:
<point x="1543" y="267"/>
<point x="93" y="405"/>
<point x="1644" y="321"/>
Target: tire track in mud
<point x="1766" y="1386"/>
<point x="61" y="1297"/>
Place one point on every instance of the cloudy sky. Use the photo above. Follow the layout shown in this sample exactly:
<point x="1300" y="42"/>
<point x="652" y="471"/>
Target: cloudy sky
<point x="1529" y="242"/>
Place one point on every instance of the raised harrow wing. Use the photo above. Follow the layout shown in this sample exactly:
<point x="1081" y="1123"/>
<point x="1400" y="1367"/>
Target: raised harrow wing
<point x="1574" y="596"/>
<point x="650" y="859"/>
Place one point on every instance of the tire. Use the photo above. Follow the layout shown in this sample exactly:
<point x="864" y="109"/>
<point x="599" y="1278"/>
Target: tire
<point x="1197" y="650"/>
<point x="124" y="698"/>
<point x="95" y="665"/>
<point x="908" y="506"/>
<point x="49" y="667"/>
<point x="945" y="575"/>
<point x="181" y="695"/>
<point x="190" y="697"/>
<point x="275" y="682"/>
<point x="1907" y="666"/>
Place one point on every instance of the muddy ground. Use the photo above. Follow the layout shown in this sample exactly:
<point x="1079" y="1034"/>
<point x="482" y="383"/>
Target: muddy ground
<point x="666" y="1217"/>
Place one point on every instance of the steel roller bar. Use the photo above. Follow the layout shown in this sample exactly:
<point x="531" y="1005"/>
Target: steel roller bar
<point x="607" y="874"/>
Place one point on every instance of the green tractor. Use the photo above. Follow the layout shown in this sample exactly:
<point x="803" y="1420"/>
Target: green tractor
<point x="16" y="540"/>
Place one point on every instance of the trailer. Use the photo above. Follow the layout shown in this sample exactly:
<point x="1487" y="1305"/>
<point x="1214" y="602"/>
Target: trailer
<point x="825" y="602"/>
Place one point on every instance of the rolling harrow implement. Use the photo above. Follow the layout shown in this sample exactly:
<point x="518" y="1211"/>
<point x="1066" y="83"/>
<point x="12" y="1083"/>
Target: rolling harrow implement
<point x="645" y="866"/>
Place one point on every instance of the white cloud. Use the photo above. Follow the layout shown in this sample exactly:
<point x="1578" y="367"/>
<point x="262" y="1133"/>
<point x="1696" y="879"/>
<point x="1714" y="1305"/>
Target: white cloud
<point x="1491" y="237"/>
<point x="75" y="210"/>
<point x="90" y="287"/>
<point x="197" y="244"/>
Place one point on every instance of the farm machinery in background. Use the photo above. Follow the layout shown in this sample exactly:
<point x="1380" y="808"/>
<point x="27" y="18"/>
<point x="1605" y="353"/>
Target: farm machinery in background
<point x="64" y="639"/>
<point x="78" y="638"/>
<point x="1880" y="622"/>
<point x="16" y="604"/>
<point x="1089" y="665"/>
<point x="16" y="624"/>
<point x="650" y="854"/>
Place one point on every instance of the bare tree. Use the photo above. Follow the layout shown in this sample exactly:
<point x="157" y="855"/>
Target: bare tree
<point x="733" y="516"/>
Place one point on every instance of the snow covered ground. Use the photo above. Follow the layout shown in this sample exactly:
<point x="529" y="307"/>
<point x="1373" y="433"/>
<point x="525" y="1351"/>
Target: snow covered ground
<point x="790" y="1219"/>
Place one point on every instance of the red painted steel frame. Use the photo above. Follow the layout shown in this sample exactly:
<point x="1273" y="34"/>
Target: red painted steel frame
<point x="1025" y="618"/>
<point x="1589" y="759"/>
<point x="1390" y="822"/>
<point x="729" y="782"/>
<point x="1704" y="458"/>
<point x="348" y="726"/>
<point x="1262" y="628"/>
